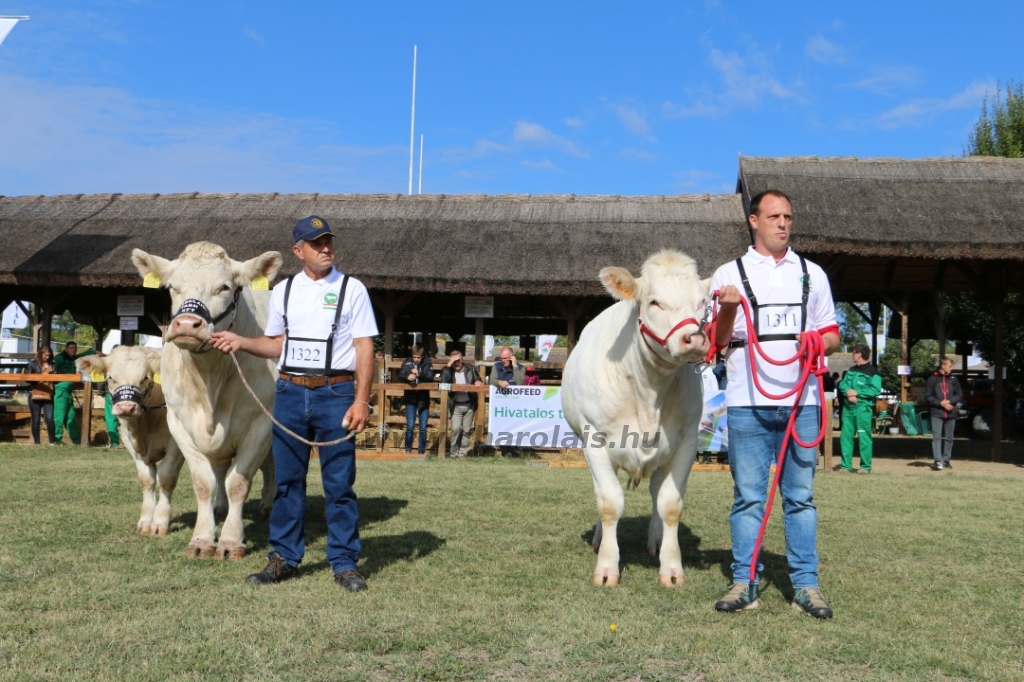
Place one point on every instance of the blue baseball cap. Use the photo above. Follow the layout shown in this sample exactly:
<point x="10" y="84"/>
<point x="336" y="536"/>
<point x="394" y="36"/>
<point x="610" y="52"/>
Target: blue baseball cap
<point x="310" y="228"/>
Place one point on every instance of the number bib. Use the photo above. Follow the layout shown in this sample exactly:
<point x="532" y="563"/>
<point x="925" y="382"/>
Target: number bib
<point x="305" y="354"/>
<point x="779" y="319"/>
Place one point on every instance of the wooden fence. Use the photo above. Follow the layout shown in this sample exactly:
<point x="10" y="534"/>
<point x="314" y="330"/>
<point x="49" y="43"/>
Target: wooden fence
<point x="13" y="413"/>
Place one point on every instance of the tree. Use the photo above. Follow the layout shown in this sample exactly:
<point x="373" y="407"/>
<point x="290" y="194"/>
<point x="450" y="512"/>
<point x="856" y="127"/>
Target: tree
<point x="852" y="326"/>
<point x="65" y="329"/>
<point x="922" y="363"/>
<point x="1001" y="131"/>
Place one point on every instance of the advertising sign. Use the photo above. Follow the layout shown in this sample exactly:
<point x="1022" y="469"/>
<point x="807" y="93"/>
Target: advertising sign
<point x="714" y="421"/>
<point x="529" y="417"/>
<point x="129" y="323"/>
<point x="479" y="306"/>
<point x="131" y="306"/>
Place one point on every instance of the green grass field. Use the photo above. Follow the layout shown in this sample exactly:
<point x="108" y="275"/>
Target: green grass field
<point x="480" y="570"/>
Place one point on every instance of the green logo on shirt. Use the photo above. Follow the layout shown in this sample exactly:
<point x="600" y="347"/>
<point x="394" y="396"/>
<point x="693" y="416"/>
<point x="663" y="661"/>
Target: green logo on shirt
<point x="330" y="301"/>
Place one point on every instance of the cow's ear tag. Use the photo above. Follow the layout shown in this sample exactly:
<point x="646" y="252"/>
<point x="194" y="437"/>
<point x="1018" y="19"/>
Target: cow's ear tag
<point x="260" y="283"/>
<point x="156" y="378"/>
<point x="151" y="281"/>
<point x="97" y="376"/>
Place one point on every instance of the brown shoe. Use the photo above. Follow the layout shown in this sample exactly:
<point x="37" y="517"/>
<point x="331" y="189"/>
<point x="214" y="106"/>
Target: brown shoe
<point x="350" y="580"/>
<point x="274" y="572"/>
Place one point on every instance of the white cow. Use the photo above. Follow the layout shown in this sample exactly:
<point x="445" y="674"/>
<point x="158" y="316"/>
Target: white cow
<point x="217" y="424"/>
<point x="138" y="403"/>
<point x="625" y="377"/>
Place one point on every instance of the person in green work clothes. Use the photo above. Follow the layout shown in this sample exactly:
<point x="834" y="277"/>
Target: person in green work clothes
<point x="63" y="407"/>
<point x="860" y="385"/>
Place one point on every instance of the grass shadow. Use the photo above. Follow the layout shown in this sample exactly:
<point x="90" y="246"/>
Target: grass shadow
<point x="381" y="551"/>
<point x="632" y="535"/>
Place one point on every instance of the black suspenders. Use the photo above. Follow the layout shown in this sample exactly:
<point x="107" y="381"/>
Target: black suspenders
<point x="754" y="305"/>
<point x="334" y="327"/>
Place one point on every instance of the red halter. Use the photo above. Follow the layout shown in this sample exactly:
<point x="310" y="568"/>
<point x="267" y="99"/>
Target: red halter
<point x="645" y="331"/>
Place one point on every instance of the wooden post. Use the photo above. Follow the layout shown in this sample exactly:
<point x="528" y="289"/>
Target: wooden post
<point x="875" y="311"/>
<point x="480" y="417"/>
<point x="904" y="355"/>
<point x="382" y="411"/>
<point x="997" y="406"/>
<point x="478" y="342"/>
<point x="87" y="415"/>
<point x="389" y="324"/>
<point x="442" y="437"/>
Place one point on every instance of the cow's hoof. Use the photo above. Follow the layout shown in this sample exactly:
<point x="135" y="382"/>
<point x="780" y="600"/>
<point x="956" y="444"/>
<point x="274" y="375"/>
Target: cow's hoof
<point x="146" y="530"/>
<point x="161" y="531"/>
<point x="605" y="580"/>
<point x="671" y="580"/>
<point x="200" y="550"/>
<point x="230" y="551"/>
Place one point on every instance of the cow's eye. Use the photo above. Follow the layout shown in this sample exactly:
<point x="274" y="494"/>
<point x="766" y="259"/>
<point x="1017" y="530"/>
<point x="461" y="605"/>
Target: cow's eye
<point x="655" y="304"/>
<point x="110" y="380"/>
<point x="223" y="288"/>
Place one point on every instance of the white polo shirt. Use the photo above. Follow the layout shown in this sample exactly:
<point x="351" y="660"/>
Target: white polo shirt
<point x="311" y="309"/>
<point x="780" y="286"/>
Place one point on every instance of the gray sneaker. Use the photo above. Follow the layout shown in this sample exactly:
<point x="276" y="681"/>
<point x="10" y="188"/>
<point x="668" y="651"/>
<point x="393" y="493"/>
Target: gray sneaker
<point x="810" y="601"/>
<point x="937" y="466"/>
<point x="740" y="597"/>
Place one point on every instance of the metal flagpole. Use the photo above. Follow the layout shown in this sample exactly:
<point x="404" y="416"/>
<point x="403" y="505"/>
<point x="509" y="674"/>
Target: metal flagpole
<point x="412" y="126"/>
<point x="420" y="190"/>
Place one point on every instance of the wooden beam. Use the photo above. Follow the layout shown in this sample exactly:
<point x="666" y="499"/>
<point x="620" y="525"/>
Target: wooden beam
<point x="389" y="324"/>
<point x="890" y="272"/>
<point x="860" y="312"/>
<point x="87" y="415"/>
<point x="478" y="342"/>
<point x="442" y="436"/>
<point x="904" y="357"/>
<point x="875" y="308"/>
<point x="558" y="306"/>
<point x="980" y="282"/>
<point x="940" y="273"/>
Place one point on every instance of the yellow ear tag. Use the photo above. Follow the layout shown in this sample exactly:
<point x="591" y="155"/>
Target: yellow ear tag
<point x="97" y="376"/>
<point x="151" y="281"/>
<point x="156" y="378"/>
<point x="260" y="283"/>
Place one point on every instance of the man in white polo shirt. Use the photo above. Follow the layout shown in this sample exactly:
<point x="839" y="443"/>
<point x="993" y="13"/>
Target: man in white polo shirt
<point x="321" y="330"/>
<point x="788" y="295"/>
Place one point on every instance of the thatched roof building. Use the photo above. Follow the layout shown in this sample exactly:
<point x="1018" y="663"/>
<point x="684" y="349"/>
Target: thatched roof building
<point x="903" y="220"/>
<point x="541" y="245"/>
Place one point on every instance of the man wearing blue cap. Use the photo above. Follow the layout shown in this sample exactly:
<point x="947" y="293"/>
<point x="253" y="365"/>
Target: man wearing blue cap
<point x="320" y="329"/>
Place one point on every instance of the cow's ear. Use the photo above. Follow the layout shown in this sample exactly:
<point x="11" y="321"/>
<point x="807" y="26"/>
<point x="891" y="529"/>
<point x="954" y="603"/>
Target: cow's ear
<point x="619" y="283"/>
<point x="153" y="359"/>
<point x="148" y="264"/>
<point x="265" y="265"/>
<point x="706" y="283"/>
<point x="90" y="364"/>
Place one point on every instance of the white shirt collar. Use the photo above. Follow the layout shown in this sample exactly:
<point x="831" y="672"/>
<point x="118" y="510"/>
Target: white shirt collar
<point x="757" y="259"/>
<point x="303" y="279"/>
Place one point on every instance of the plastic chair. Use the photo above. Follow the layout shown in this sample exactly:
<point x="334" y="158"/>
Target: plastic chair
<point x="883" y="420"/>
<point x="925" y="421"/>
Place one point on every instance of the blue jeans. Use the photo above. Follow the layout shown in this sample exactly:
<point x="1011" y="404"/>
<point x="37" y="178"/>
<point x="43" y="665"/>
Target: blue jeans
<point x="315" y="414"/>
<point x="410" y="422"/>
<point x="755" y="436"/>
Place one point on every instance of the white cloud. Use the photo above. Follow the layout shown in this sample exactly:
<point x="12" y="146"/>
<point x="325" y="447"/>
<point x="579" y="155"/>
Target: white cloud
<point x="542" y="165"/>
<point x="634" y="120"/>
<point x="574" y="122"/>
<point x="251" y="34"/>
<point x="638" y="154"/>
<point x="885" y="80"/>
<point x="824" y="51"/>
<point x="71" y="139"/>
<point x="536" y="135"/>
<point x="747" y="81"/>
<point x="920" y="109"/>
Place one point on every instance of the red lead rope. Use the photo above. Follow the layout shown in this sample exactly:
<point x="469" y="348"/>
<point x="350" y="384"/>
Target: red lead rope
<point x="811" y="356"/>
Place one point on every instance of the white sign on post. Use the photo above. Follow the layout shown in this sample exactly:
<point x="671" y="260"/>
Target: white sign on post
<point x="479" y="306"/>
<point x="529" y="417"/>
<point x="131" y="306"/>
<point x="903" y="370"/>
<point x="129" y="324"/>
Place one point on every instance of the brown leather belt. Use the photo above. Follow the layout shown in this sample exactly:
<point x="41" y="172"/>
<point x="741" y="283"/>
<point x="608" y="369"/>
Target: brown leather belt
<point x="316" y="380"/>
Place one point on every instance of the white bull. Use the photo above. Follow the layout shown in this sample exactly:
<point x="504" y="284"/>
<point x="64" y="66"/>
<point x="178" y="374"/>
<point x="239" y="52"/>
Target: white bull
<point x="138" y="405"/>
<point x="220" y="429"/>
<point x="635" y="397"/>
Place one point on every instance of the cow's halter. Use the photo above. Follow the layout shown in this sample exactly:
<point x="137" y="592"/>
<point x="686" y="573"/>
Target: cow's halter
<point x="129" y="393"/>
<point x="193" y="306"/>
<point x="645" y="331"/>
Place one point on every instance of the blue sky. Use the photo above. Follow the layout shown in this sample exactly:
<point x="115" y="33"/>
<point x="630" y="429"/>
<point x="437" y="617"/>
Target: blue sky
<point x="525" y="97"/>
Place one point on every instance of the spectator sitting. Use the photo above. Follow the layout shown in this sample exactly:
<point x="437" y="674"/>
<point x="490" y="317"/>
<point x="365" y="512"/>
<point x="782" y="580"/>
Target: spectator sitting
<point x="413" y="371"/>
<point x="461" y="407"/>
<point x="507" y="372"/>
